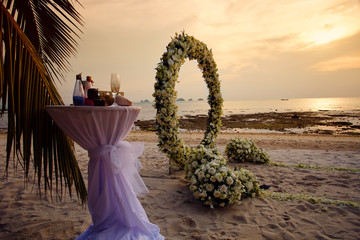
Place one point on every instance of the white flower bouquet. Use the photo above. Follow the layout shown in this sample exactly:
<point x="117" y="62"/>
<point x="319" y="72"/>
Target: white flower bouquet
<point x="199" y="156"/>
<point x="244" y="150"/>
<point x="214" y="183"/>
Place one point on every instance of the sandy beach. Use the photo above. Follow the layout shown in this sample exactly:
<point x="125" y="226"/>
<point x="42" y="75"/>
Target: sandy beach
<point x="170" y="204"/>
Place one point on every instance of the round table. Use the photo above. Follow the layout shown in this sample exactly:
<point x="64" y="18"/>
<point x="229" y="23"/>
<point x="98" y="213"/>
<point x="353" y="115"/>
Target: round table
<point x="114" y="182"/>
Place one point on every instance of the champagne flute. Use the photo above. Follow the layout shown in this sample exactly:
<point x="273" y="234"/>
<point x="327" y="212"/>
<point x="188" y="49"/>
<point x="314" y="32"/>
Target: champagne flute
<point x="115" y="86"/>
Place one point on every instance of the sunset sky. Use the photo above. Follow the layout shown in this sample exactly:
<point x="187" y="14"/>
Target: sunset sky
<point x="264" y="49"/>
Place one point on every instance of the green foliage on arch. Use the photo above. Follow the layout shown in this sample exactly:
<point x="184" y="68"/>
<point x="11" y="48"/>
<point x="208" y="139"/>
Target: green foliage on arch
<point x="211" y="180"/>
<point x="181" y="47"/>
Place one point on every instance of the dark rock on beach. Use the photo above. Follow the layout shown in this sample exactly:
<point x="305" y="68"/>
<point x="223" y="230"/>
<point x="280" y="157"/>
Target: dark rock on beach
<point x="275" y="121"/>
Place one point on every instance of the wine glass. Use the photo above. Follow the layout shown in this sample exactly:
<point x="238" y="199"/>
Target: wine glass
<point x="115" y="86"/>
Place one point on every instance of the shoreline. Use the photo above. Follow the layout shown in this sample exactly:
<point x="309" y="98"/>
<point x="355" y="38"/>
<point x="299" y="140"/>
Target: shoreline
<point x="327" y="122"/>
<point x="322" y="122"/>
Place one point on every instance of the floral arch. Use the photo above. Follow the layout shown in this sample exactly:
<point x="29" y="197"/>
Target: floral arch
<point x="211" y="180"/>
<point x="181" y="47"/>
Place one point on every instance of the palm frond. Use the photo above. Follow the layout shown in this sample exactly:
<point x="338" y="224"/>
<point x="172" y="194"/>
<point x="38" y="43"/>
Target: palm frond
<point x="33" y="138"/>
<point x="50" y="26"/>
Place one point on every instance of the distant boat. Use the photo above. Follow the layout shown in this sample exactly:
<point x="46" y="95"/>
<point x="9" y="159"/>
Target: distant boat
<point x="200" y="99"/>
<point x="284" y="99"/>
<point x="180" y="99"/>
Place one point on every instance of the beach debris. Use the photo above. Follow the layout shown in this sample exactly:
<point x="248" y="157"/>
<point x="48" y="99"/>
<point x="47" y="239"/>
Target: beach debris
<point x="264" y="186"/>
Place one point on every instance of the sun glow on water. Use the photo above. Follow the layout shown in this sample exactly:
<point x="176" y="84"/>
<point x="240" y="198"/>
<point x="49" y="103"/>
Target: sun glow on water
<point x="259" y="106"/>
<point x="318" y="104"/>
<point x="325" y="103"/>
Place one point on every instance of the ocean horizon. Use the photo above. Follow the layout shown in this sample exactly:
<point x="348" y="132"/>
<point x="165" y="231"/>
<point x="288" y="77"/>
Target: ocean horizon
<point x="193" y="108"/>
<point x="196" y="107"/>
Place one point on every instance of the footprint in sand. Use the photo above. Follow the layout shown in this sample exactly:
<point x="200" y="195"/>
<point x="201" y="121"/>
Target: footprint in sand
<point x="188" y="222"/>
<point x="183" y="225"/>
<point x="313" y="178"/>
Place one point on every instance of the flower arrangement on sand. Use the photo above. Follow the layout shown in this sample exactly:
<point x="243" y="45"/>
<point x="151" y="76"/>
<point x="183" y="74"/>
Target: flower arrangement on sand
<point x="244" y="150"/>
<point x="211" y="180"/>
<point x="214" y="183"/>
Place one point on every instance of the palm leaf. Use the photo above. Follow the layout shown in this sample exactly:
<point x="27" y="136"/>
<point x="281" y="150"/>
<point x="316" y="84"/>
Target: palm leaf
<point x="44" y="22"/>
<point x="27" y="87"/>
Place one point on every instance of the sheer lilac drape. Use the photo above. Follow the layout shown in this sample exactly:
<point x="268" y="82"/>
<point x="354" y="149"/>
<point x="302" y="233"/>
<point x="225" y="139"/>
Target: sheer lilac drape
<point x="114" y="181"/>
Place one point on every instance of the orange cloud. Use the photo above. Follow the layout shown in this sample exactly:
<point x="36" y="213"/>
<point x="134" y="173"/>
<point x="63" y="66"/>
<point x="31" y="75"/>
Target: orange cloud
<point x="336" y="64"/>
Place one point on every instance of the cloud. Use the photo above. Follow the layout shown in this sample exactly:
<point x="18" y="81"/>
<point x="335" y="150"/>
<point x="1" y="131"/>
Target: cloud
<point x="336" y="64"/>
<point x="243" y="32"/>
<point x="293" y="72"/>
<point x="251" y="40"/>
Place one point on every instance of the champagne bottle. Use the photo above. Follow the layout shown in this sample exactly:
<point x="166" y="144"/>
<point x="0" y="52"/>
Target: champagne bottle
<point x="78" y="94"/>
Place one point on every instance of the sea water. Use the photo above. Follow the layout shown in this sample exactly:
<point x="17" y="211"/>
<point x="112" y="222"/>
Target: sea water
<point x="194" y="108"/>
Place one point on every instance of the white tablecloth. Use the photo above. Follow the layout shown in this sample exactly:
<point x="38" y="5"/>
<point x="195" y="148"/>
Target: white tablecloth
<point x="114" y="182"/>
